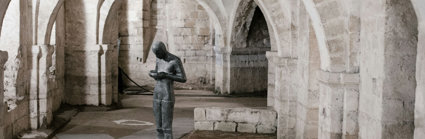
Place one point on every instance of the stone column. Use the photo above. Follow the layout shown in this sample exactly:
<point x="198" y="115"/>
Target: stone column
<point x="285" y="100"/>
<point x="107" y="71"/>
<point x="33" y="96"/>
<point x="271" y="78"/>
<point x="41" y="86"/>
<point x="3" y="59"/>
<point x="420" y="88"/>
<point x="338" y="110"/>
<point x="222" y="69"/>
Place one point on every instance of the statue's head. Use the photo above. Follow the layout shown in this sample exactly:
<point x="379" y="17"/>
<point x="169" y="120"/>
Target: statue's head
<point x="158" y="48"/>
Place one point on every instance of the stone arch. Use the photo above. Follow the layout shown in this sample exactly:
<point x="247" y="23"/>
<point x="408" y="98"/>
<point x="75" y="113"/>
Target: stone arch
<point x="248" y="65"/>
<point x="12" y="44"/>
<point x="337" y="28"/>
<point x="3" y="8"/>
<point x="107" y="22"/>
<point x="149" y="31"/>
<point x="320" y="33"/>
<point x="52" y="19"/>
<point x="217" y="18"/>
<point x="16" y="42"/>
<point x="239" y="22"/>
<point x="278" y="14"/>
<point x="40" y="92"/>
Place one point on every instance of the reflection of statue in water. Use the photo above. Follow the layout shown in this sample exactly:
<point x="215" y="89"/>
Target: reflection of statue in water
<point x="168" y="69"/>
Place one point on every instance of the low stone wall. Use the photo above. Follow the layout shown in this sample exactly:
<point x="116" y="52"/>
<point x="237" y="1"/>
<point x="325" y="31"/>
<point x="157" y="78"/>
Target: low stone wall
<point x="247" y="120"/>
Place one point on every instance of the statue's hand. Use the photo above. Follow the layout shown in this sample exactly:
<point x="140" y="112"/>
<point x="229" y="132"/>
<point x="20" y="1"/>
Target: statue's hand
<point x="153" y="74"/>
<point x="161" y="75"/>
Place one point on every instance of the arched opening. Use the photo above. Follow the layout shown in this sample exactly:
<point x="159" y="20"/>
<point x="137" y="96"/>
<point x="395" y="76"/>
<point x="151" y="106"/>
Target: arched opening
<point x="248" y="58"/>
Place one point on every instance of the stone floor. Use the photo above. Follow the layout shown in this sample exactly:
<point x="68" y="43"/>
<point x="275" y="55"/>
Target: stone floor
<point x="135" y="120"/>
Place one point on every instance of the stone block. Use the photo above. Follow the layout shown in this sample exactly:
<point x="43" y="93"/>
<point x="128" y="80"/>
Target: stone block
<point x="244" y="115"/>
<point x="246" y="128"/>
<point x="204" y="126"/>
<point x="216" y="114"/>
<point x="264" y="129"/>
<point x="268" y="117"/>
<point x="199" y="114"/>
<point x="225" y="126"/>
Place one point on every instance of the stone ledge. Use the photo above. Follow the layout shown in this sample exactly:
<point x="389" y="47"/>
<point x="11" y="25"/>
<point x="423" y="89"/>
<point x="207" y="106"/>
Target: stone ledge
<point x="246" y="120"/>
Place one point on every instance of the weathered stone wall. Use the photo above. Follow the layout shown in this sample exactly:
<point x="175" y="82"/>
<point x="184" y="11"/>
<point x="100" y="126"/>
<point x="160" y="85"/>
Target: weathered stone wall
<point x="189" y="38"/>
<point x="136" y="30"/>
<point x="79" y="61"/>
<point x="389" y="41"/>
<point x="91" y="56"/>
<point x="16" y="40"/>
<point x="3" y="107"/>
<point x="34" y="79"/>
<point x="186" y="32"/>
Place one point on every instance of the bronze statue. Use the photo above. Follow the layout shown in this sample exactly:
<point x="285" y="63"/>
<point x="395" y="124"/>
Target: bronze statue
<point x="169" y="68"/>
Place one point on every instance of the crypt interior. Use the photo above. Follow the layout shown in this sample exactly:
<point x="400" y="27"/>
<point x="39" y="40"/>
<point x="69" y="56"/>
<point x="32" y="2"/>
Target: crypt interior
<point x="286" y="69"/>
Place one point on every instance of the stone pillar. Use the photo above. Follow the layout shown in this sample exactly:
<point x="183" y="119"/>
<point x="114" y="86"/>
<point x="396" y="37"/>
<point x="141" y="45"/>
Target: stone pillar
<point x="41" y="86"/>
<point x="3" y="59"/>
<point x="285" y="100"/>
<point x="35" y="54"/>
<point x="420" y="88"/>
<point x="338" y="110"/>
<point x="271" y="78"/>
<point x="107" y="70"/>
<point x="222" y="69"/>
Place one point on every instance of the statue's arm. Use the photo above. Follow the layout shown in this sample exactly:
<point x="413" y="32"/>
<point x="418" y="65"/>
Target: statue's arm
<point x="180" y="75"/>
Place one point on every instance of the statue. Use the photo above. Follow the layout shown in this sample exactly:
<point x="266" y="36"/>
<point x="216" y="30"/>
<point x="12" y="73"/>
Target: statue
<point x="169" y="68"/>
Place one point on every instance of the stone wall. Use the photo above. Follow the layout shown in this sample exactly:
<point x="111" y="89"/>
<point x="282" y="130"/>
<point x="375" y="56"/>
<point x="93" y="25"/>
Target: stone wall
<point x="247" y="120"/>
<point x="91" y="56"/>
<point x="3" y="108"/>
<point x="34" y="78"/>
<point x="16" y="40"/>
<point x="189" y="38"/>
<point x="389" y="41"/>
<point x="185" y="32"/>
<point x="312" y="60"/>
<point x="136" y="30"/>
